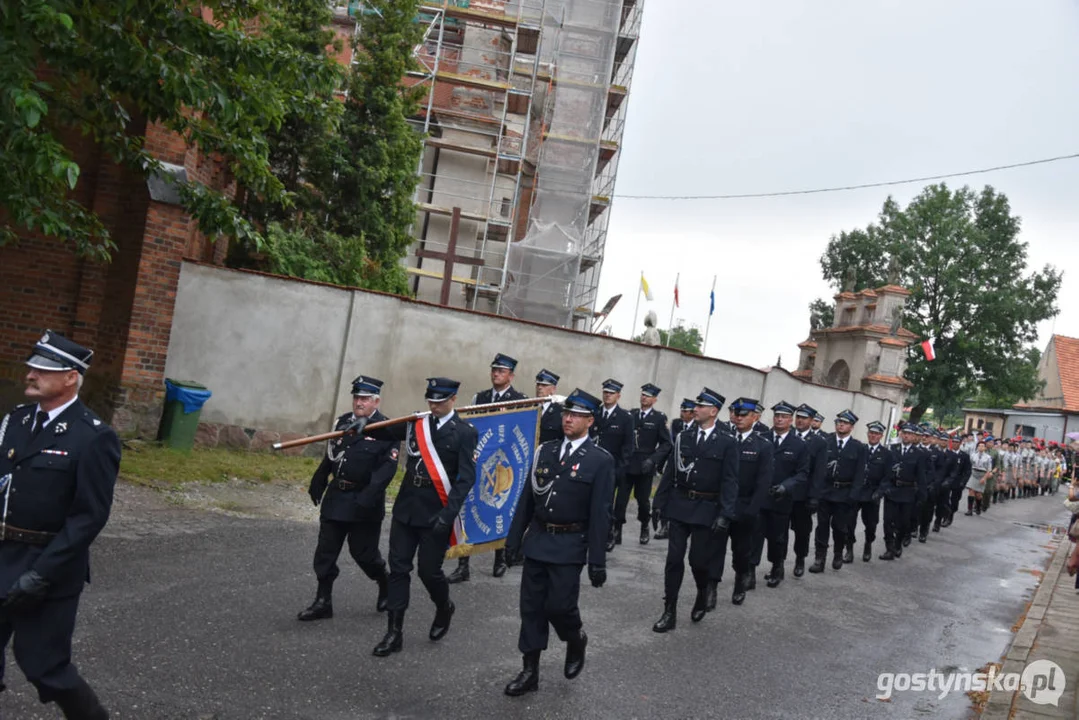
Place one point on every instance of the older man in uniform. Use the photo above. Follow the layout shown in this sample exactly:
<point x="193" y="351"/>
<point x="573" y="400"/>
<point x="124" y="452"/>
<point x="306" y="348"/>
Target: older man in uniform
<point x="698" y="496"/>
<point x="683" y="422"/>
<point x="935" y="468"/>
<point x="790" y="474"/>
<point x="838" y="495"/>
<point x="550" y="426"/>
<point x="426" y="507"/>
<point x="805" y="501"/>
<point x="878" y="466"/>
<point x="565" y="510"/>
<point x="613" y="431"/>
<point x="501" y="390"/>
<point x="902" y="486"/>
<point x="354" y="503"/>
<point x="58" y="467"/>
<point x="651" y="446"/>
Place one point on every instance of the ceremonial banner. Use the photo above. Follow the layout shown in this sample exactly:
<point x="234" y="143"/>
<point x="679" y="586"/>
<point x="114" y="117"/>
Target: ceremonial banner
<point x="505" y="450"/>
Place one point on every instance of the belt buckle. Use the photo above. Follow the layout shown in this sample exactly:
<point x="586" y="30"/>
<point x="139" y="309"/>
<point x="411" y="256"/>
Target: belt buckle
<point x="417" y="481"/>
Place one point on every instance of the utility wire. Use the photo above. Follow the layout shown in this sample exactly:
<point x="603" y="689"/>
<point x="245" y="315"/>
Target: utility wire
<point x="815" y="191"/>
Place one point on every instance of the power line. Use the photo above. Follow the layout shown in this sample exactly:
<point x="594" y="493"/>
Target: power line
<point x="815" y="191"/>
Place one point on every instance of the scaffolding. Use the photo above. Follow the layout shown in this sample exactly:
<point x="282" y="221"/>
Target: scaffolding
<point x="522" y="111"/>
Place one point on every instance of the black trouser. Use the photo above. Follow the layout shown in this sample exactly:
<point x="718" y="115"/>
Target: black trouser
<point x="929" y="507"/>
<point x="701" y="541"/>
<point x="915" y="514"/>
<point x="549" y="595"/>
<point x="957" y="495"/>
<point x="741" y="539"/>
<point x="837" y="516"/>
<point x="944" y="503"/>
<point x="362" y="546"/>
<point x="42" y="645"/>
<point x="870" y="517"/>
<point x="897" y="521"/>
<point x="641" y="487"/>
<point x="429" y="549"/>
<point x="774" y="527"/>
<point x="802" y="525"/>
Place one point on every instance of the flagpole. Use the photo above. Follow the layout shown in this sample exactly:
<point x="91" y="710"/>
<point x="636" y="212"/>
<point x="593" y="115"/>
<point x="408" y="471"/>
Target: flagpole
<point x="637" y="307"/>
<point x="708" y="325"/>
<point x="670" y="323"/>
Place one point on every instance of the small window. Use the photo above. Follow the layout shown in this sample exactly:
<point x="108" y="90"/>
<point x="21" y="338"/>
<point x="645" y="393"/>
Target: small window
<point x="989" y="426"/>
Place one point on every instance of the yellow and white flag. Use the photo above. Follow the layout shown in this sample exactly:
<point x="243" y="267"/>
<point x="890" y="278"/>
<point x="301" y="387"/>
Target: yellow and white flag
<point x="645" y="289"/>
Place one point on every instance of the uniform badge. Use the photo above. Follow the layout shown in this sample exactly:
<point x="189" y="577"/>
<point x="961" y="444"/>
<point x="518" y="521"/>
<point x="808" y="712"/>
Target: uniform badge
<point x="96" y="422"/>
<point x="11" y="454"/>
<point x="61" y="428"/>
<point x="393" y="454"/>
<point x="26" y="419"/>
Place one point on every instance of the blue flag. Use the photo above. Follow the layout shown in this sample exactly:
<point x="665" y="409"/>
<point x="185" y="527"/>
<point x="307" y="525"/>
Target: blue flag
<point x="712" y="298"/>
<point x="504" y="454"/>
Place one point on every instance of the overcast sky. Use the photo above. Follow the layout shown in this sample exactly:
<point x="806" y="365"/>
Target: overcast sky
<point x="742" y="97"/>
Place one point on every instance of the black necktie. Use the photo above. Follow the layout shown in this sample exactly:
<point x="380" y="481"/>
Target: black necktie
<point x="566" y="451"/>
<point x="41" y="418"/>
<point x="700" y="436"/>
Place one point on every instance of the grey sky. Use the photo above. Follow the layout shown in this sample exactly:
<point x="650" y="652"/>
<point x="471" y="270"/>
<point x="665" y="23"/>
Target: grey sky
<point x="736" y="97"/>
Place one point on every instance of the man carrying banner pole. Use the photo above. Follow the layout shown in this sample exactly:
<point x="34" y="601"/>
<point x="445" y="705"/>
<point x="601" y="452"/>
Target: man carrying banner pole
<point x="440" y="470"/>
<point x="561" y="523"/>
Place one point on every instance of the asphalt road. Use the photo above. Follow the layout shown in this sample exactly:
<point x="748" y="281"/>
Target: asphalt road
<point x="191" y="615"/>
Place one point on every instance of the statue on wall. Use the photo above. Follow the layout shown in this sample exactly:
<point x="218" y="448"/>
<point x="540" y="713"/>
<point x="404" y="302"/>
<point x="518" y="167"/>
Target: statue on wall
<point x="850" y="279"/>
<point x="651" y="335"/>
<point x="897" y="320"/>
<point x="893" y="270"/>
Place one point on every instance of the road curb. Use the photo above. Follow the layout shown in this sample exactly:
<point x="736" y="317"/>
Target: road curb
<point x="1001" y="704"/>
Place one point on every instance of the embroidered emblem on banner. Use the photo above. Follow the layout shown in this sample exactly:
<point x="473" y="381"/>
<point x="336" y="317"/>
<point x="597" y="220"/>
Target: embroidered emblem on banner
<point x="496" y="480"/>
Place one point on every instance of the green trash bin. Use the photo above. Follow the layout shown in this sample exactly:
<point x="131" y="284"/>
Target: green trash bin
<point x="183" y="406"/>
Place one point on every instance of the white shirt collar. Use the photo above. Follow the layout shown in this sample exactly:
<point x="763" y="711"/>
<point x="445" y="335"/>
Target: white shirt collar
<point x="56" y="411"/>
<point x="644" y="413"/>
<point x="742" y="436"/>
<point x="439" y="422"/>
<point x="781" y="438"/>
<point x="706" y="431"/>
<point x="607" y="411"/>
<point x="573" y="444"/>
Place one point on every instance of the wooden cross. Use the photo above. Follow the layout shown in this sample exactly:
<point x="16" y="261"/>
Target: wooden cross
<point x="450" y="257"/>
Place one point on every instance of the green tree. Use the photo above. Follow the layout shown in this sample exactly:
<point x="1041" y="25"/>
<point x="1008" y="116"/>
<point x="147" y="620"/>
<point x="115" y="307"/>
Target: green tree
<point x="821" y="314"/>
<point x="960" y="254"/>
<point x="105" y="69"/>
<point x="686" y="339"/>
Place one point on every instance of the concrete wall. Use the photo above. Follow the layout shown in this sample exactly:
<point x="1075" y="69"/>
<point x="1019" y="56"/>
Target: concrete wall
<point x="279" y="355"/>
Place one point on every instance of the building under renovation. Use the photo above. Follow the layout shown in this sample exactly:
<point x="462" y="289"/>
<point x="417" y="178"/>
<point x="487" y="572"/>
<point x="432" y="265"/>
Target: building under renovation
<point x="523" y="109"/>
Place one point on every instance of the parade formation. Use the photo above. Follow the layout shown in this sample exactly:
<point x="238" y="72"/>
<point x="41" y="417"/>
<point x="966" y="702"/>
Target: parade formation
<point x="739" y="485"/>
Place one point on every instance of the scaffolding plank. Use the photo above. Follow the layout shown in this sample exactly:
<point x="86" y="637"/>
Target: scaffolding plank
<point x="438" y="276"/>
<point x="438" y="210"/>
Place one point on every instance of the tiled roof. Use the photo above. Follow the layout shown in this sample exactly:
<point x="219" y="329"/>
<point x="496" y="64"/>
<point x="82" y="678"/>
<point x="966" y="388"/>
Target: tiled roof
<point x="1067" y="350"/>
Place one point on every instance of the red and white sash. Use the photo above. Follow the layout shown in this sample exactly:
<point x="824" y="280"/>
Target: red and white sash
<point x="439" y="478"/>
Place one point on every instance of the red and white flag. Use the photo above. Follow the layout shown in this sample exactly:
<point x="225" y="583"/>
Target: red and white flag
<point x="676" y="293"/>
<point x="927" y="348"/>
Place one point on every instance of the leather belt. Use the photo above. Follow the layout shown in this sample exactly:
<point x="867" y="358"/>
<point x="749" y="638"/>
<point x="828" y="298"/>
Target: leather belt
<point x="694" y="495"/>
<point x="555" y="529"/>
<point x="841" y="484"/>
<point x="30" y="537"/>
<point x="418" y="481"/>
<point x="346" y="485"/>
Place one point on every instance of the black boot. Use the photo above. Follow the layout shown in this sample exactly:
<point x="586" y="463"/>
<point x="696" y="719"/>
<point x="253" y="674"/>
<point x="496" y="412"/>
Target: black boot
<point x="739" y="595"/>
<point x="461" y="573"/>
<point x="664" y="531"/>
<point x="441" y="624"/>
<point x="898" y="550"/>
<point x="837" y="560"/>
<point x="668" y="620"/>
<point x="394" y="638"/>
<point x="978" y="508"/>
<point x="500" y="567"/>
<point x="383" y="591"/>
<point x="818" y="562"/>
<point x="751" y="578"/>
<point x="775" y="576"/>
<point x="710" y="595"/>
<point x="80" y="703"/>
<point x="528" y="679"/>
<point x="799" y="566"/>
<point x="889" y="551"/>
<point x="322" y="607"/>
<point x="575" y="656"/>
<point x="848" y="552"/>
<point x="867" y="551"/>
<point x="618" y="534"/>
<point x="908" y="539"/>
<point x="970" y="506"/>
<point x="936" y="524"/>
<point x="612" y="536"/>
<point x="700" y="605"/>
<point x="923" y="535"/>
<point x="646" y="534"/>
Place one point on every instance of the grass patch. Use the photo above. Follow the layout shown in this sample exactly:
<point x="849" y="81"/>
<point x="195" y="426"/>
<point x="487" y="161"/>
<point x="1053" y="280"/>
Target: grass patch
<point x="154" y="465"/>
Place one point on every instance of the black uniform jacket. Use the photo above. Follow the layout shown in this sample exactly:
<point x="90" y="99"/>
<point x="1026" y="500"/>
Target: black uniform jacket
<point x="60" y="482"/>
<point x="755" y="469"/>
<point x="878" y="465"/>
<point x="710" y="469"/>
<point x="550" y="423"/>
<point x="949" y="475"/>
<point x="576" y="491"/>
<point x="964" y="469"/>
<point x="363" y="470"/>
<point x="487" y="396"/>
<point x="651" y="439"/>
<point x="817" y="449"/>
<point x="846" y="471"/>
<point x="616" y="437"/>
<point x="790" y="468"/>
<point x="909" y="477"/>
<point x="932" y="466"/>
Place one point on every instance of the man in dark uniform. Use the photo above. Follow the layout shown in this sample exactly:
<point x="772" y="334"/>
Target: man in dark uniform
<point x="901" y="487"/>
<point x="818" y="420"/>
<point x="565" y="509"/>
<point x="790" y="472"/>
<point x="613" y="431"/>
<point x="948" y="483"/>
<point x="805" y="501"/>
<point x="440" y="470"/>
<point x="354" y="503"/>
<point x="680" y="424"/>
<point x="550" y="427"/>
<point x="698" y="496"/>
<point x="963" y="470"/>
<point x="934" y="475"/>
<point x="651" y="446"/>
<point x="501" y="390"/>
<point x="842" y="486"/>
<point x="58" y="466"/>
<point x="878" y="465"/>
